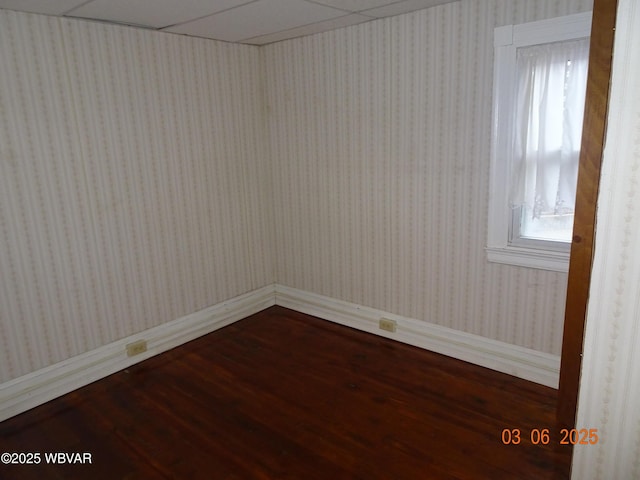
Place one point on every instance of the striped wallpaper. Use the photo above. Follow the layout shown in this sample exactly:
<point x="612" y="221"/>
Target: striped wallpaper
<point x="131" y="183"/>
<point x="610" y="381"/>
<point x="380" y="138"/>
<point x="145" y="176"/>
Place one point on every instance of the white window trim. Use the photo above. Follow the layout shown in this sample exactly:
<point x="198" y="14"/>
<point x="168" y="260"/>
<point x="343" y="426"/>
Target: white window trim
<point x="506" y="40"/>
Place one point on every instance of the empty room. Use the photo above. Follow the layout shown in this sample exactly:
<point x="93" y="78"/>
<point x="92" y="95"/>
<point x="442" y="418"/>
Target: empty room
<point x="315" y="239"/>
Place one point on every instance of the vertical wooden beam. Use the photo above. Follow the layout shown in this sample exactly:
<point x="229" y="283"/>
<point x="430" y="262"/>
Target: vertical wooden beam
<point x="594" y="128"/>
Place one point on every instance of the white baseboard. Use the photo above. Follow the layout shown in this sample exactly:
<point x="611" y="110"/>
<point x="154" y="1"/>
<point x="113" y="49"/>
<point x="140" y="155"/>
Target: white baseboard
<point x="33" y="389"/>
<point x="538" y="367"/>
<point x="23" y="393"/>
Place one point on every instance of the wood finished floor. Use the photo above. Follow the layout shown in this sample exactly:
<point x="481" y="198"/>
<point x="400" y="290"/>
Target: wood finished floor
<point x="282" y="395"/>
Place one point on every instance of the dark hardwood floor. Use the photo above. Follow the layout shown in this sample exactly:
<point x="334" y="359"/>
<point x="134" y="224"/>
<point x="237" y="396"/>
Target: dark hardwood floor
<point x="285" y="395"/>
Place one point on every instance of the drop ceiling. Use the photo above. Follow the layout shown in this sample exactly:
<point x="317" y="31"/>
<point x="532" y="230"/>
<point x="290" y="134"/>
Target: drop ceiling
<point x="254" y="22"/>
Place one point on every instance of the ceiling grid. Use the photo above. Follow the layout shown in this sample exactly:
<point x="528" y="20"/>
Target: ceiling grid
<point x="253" y="22"/>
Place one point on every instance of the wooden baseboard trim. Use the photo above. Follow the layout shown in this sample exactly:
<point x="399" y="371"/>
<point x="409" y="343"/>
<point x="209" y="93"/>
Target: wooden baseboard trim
<point x="26" y="392"/>
<point x="23" y="393"/>
<point x="538" y="367"/>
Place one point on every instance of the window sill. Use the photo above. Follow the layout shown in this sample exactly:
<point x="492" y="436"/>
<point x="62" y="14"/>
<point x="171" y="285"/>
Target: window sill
<point x="529" y="257"/>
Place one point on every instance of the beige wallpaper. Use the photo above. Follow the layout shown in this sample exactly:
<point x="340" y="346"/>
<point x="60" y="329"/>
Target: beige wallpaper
<point x="145" y="176"/>
<point x="610" y="383"/>
<point x="132" y="184"/>
<point x="380" y="137"/>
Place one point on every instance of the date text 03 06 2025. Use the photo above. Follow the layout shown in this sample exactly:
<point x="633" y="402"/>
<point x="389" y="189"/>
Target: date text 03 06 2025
<point x="542" y="436"/>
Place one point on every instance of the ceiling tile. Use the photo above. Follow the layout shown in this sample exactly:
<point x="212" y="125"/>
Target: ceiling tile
<point x="47" y="7"/>
<point x="355" y="5"/>
<point x="256" y="19"/>
<point x="405" y="6"/>
<point x="256" y="22"/>
<point x="309" y="29"/>
<point x="152" y="13"/>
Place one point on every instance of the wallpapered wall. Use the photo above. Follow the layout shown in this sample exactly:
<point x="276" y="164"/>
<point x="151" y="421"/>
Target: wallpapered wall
<point x="146" y="176"/>
<point x="380" y="140"/>
<point x="610" y="383"/>
<point x="131" y="187"/>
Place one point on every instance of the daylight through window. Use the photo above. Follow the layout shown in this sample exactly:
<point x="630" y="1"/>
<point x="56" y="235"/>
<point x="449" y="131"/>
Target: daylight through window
<point x="540" y="77"/>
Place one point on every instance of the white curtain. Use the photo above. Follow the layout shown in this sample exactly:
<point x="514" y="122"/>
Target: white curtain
<point x="551" y="83"/>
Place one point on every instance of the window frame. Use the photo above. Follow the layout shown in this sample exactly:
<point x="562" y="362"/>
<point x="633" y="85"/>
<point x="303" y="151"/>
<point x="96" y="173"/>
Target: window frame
<point x="541" y="254"/>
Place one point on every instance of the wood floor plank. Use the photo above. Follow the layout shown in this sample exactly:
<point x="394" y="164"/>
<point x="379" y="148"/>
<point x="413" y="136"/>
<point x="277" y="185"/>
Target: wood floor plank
<point x="285" y="395"/>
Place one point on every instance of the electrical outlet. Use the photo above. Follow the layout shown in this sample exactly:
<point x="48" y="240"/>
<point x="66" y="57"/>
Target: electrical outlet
<point x="136" y="348"/>
<point x="388" y="325"/>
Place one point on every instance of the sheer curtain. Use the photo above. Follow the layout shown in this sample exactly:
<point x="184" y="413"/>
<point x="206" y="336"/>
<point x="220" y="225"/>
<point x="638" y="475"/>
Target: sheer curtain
<point x="550" y="95"/>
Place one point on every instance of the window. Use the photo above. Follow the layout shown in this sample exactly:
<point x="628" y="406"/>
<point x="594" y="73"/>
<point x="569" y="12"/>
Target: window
<point x="540" y="77"/>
